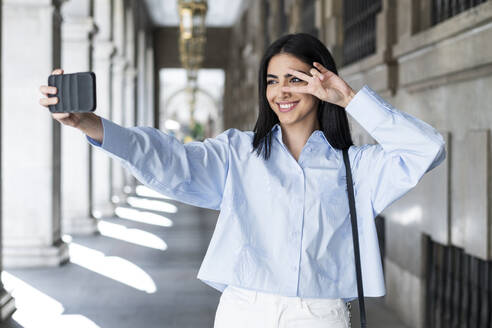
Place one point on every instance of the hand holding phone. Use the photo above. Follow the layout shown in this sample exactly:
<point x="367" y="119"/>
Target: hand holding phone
<point x="88" y="122"/>
<point x="76" y="92"/>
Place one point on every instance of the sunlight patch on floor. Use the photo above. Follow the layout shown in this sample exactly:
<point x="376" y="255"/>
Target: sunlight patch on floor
<point x="112" y="267"/>
<point x="145" y="191"/>
<point x="36" y="309"/>
<point x="131" y="235"/>
<point x="143" y="217"/>
<point x="150" y="204"/>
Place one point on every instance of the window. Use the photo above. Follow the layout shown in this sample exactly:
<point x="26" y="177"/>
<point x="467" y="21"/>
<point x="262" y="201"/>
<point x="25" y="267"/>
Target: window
<point x="458" y="288"/>
<point x="359" y="29"/>
<point x="444" y="9"/>
<point x="308" y="20"/>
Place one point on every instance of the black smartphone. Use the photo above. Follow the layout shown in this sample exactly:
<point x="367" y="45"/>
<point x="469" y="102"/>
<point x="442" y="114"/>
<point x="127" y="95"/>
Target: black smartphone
<point x="76" y="92"/>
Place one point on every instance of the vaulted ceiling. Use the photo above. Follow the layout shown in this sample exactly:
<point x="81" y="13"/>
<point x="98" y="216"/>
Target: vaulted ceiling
<point x="221" y="13"/>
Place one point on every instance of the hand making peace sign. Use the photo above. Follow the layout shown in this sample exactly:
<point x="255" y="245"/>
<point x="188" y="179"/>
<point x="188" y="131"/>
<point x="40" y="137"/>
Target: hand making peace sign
<point x="323" y="84"/>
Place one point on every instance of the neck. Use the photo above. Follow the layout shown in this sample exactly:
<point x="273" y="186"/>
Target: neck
<point x="295" y="136"/>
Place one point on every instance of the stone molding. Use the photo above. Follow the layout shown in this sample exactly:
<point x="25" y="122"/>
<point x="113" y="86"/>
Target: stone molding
<point x="103" y="50"/>
<point x="33" y="3"/>
<point x="41" y="256"/>
<point x="131" y="72"/>
<point x="78" y="29"/>
<point x="7" y="304"/>
<point x="456" y="25"/>
<point x="80" y="226"/>
<point x="120" y="64"/>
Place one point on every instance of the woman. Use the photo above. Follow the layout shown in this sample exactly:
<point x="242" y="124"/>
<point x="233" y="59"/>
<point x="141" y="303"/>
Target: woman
<point x="282" y="251"/>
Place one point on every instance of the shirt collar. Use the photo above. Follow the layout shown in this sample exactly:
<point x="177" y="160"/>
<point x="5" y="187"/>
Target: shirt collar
<point x="318" y="135"/>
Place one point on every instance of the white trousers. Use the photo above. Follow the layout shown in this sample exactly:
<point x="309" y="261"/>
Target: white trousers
<point x="242" y="308"/>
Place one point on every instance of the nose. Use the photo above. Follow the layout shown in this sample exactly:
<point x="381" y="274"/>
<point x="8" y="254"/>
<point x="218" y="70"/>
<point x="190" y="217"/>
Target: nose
<point x="282" y="94"/>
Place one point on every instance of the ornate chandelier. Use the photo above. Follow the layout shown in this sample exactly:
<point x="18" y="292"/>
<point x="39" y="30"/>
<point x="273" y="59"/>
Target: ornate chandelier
<point x="191" y="43"/>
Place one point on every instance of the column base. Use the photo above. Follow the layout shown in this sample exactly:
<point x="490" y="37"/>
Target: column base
<point x="7" y="304"/>
<point x="103" y="210"/>
<point x="119" y="198"/>
<point x="35" y="256"/>
<point x="80" y="226"/>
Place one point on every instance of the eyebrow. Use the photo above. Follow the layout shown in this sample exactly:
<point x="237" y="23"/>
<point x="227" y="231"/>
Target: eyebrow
<point x="286" y="75"/>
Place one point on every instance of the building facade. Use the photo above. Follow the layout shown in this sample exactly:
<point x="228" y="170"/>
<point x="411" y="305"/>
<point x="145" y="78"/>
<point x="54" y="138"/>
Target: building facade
<point x="431" y="59"/>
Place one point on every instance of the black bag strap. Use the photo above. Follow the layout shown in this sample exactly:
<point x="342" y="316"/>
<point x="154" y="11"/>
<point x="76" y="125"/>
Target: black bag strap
<point x="355" y="238"/>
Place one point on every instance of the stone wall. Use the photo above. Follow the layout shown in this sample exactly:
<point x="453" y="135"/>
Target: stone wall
<point x="441" y="74"/>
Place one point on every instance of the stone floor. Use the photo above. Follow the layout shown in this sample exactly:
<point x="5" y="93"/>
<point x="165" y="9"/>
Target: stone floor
<point x="135" y="274"/>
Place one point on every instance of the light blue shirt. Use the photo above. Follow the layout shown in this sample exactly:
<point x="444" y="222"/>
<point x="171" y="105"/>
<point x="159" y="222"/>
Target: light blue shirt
<point x="284" y="225"/>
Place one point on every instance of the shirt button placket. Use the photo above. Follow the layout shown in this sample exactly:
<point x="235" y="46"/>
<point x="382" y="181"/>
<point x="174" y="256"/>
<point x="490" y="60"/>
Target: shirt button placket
<point x="296" y="233"/>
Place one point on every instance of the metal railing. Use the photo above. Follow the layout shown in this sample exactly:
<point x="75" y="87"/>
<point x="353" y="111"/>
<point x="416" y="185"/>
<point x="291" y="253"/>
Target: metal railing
<point x="459" y="289"/>
<point x="444" y="9"/>
<point x="308" y="21"/>
<point x="359" y="29"/>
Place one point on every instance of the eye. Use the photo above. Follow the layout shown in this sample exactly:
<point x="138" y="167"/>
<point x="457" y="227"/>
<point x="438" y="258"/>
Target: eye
<point x="296" y="79"/>
<point x="271" y="81"/>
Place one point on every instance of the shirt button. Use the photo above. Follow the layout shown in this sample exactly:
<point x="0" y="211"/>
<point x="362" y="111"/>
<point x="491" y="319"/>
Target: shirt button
<point x="294" y="268"/>
<point x="308" y="149"/>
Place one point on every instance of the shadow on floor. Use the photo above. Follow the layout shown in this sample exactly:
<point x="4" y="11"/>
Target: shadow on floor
<point x="136" y="275"/>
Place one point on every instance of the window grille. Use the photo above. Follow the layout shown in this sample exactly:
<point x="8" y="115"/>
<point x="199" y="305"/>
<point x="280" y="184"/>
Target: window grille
<point x="444" y="9"/>
<point x="308" y="22"/>
<point x="359" y="29"/>
<point x="458" y="288"/>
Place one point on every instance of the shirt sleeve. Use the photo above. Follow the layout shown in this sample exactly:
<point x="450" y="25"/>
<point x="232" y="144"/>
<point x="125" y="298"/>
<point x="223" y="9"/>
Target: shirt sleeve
<point x="193" y="173"/>
<point x="407" y="148"/>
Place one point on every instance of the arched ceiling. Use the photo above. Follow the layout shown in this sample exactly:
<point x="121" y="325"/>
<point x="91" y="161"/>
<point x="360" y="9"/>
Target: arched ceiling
<point x="221" y="13"/>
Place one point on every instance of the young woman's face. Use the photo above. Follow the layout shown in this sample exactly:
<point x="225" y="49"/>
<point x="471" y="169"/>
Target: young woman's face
<point x="290" y="107"/>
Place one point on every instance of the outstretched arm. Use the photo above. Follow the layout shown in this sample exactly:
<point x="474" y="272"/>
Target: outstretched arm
<point x="193" y="173"/>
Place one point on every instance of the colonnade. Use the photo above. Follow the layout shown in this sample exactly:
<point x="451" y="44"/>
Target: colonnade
<point x="53" y="181"/>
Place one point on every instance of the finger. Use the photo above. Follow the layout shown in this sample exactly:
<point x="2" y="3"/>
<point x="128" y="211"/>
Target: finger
<point x="48" y="101"/>
<point x="320" y="67"/>
<point x="47" y="90"/>
<point x="323" y="70"/>
<point x="300" y="75"/>
<point x="57" y="71"/>
<point x="316" y="73"/>
<point x="303" y="89"/>
<point x="60" y="116"/>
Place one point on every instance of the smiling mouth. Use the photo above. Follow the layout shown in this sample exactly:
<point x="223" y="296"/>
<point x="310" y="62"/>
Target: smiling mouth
<point x="287" y="106"/>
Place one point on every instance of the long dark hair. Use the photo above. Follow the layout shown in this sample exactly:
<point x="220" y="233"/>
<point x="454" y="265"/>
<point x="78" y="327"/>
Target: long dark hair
<point x="332" y="118"/>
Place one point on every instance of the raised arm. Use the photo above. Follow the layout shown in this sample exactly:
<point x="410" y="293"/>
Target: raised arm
<point x="407" y="148"/>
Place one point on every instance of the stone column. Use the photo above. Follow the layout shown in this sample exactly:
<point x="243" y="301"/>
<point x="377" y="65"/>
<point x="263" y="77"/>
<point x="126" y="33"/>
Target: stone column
<point x="7" y="302"/>
<point x="119" y="63"/>
<point x="103" y="52"/>
<point x="149" y="80"/>
<point x="77" y="27"/>
<point x="331" y="29"/>
<point x="141" y="78"/>
<point x="294" y="12"/>
<point x="130" y="91"/>
<point x="118" y="178"/>
<point x="130" y="75"/>
<point x="31" y="139"/>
